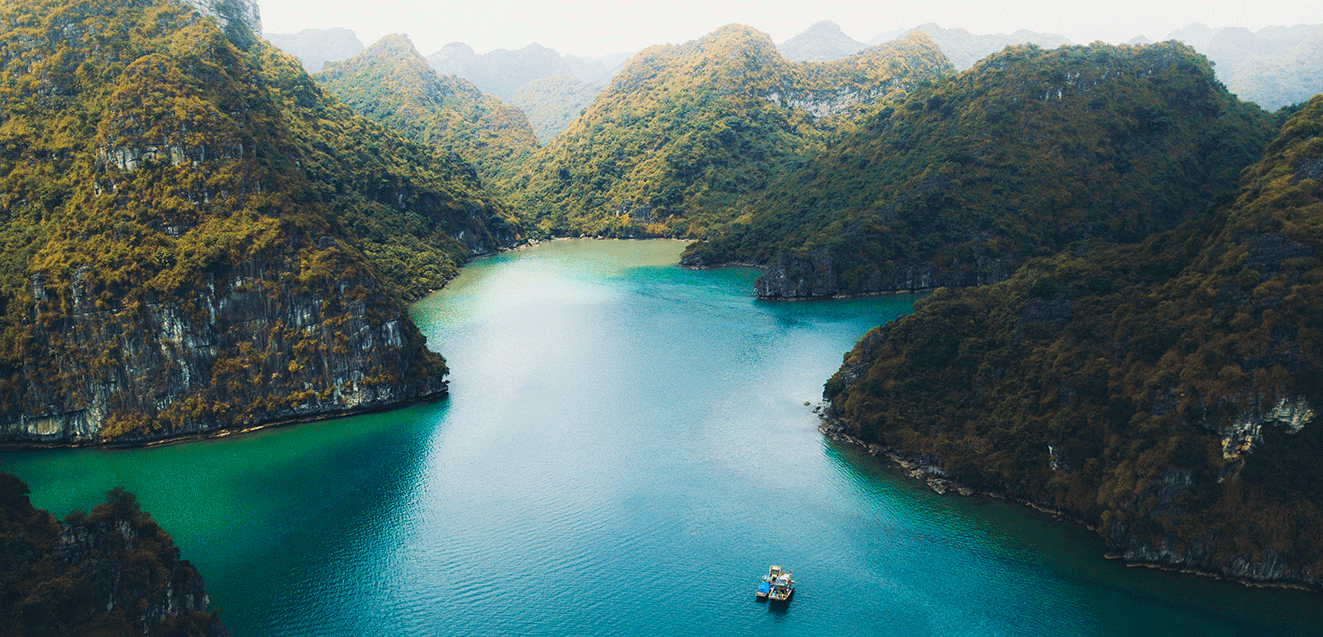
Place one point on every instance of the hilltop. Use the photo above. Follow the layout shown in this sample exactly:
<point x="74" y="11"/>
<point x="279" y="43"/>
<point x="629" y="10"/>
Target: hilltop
<point x="1016" y="158"/>
<point x="822" y="42"/>
<point x="684" y="130"/>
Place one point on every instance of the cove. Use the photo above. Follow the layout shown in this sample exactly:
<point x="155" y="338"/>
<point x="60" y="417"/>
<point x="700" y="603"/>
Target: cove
<point x="624" y="451"/>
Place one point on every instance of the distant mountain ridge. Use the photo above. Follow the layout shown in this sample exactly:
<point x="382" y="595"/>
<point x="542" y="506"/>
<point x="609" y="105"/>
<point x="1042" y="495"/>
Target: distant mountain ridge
<point x="552" y="103"/>
<point x="684" y="130"/>
<point x="392" y="83"/>
<point x="315" y="47"/>
<point x="1273" y="67"/>
<point x="822" y="42"/>
<point x="964" y="48"/>
<point x="550" y="88"/>
<point x="503" y="72"/>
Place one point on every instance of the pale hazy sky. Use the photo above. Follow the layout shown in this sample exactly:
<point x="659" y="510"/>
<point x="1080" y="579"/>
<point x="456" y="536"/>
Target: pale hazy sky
<point x="595" y="27"/>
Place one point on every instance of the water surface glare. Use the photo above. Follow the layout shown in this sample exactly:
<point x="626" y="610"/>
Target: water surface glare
<point x="624" y="451"/>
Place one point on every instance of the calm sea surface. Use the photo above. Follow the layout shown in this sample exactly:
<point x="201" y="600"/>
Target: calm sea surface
<point x="624" y="451"/>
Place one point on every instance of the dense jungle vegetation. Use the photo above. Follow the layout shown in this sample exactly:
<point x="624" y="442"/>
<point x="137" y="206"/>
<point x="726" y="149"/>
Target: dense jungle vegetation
<point x="1018" y="157"/>
<point x="553" y="103"/>
<point x="683" y="131"/>
<point x="392" y="84"/>
<point x="58" y="578"/>
<point x="144" y="151"/>
<point x="1165" y="391"/>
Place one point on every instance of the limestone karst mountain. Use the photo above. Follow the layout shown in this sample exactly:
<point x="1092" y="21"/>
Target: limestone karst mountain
<point x="197" y="237"/>
<point x="392" y="84"/>
<point x="112" y="572"/>
<point x="1167" y="393"/>
<point x="685" y="130"/>
<point x="1020" y="156"/>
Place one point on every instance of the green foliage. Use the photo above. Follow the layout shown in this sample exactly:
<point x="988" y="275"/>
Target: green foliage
<point x="127" y="559"/>
<point x="551" y="103"/>
<point x="392" y="84"/>
<point x="1016" y="158"/>
<point x="143" y="154"/>
<point x="684" y="131"/>
<point x="1131" y="364"/>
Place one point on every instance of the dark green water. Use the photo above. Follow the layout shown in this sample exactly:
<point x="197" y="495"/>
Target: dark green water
<point x="625" y="450"/>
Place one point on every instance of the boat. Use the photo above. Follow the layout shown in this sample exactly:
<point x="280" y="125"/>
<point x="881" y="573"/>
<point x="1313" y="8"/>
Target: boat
<point x="765" y="587"/>
<point x="782" y="588"/>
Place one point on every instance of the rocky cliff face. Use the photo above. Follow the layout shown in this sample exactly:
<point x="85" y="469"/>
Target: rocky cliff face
<point x="815" y="276"/>
<point x="246" y="348"/>
<point x="239" y="19"/>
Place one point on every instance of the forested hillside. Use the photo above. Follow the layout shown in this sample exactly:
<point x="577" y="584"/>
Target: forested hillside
<point x="1018" y="157"/>
<point x="392" y="84"/>
<point x="1167" y="392"/>
<point x="683" y="131"/>
<point x="552" y="103"/>
<point x="196" y="237"/>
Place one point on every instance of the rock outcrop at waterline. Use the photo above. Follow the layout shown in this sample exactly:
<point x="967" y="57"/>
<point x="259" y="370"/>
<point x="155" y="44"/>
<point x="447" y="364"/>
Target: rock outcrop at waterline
<point x="113" y="572"/>
<point x="247" y="348"/>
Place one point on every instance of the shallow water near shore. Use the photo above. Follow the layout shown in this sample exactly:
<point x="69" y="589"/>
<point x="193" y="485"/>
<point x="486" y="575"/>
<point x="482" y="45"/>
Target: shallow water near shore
<point x="625" y="450"/>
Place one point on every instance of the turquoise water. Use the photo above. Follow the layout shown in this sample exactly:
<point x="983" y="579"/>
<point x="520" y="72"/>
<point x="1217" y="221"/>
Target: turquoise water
<point x="625" y="450"/>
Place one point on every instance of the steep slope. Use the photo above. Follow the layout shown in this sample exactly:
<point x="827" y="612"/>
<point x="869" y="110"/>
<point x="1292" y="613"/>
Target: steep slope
<point x="552" y="103"/>
<point x="195" y="237"/>
<point x="684" y="130"/>
<point x="822" y="42"/>
<point x="392" y="84"/>
<point x="315" y="47"/>
<point x="113" y="572"/>
<point x="1016" y="158"/>
<point x="1166" y="392"/>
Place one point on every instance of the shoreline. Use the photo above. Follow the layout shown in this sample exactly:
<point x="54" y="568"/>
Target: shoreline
<point x="919" y="467"/>
<point x="234" y="430"/>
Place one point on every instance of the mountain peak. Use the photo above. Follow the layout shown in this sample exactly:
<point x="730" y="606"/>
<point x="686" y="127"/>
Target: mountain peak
<point x="822" y="42"/>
